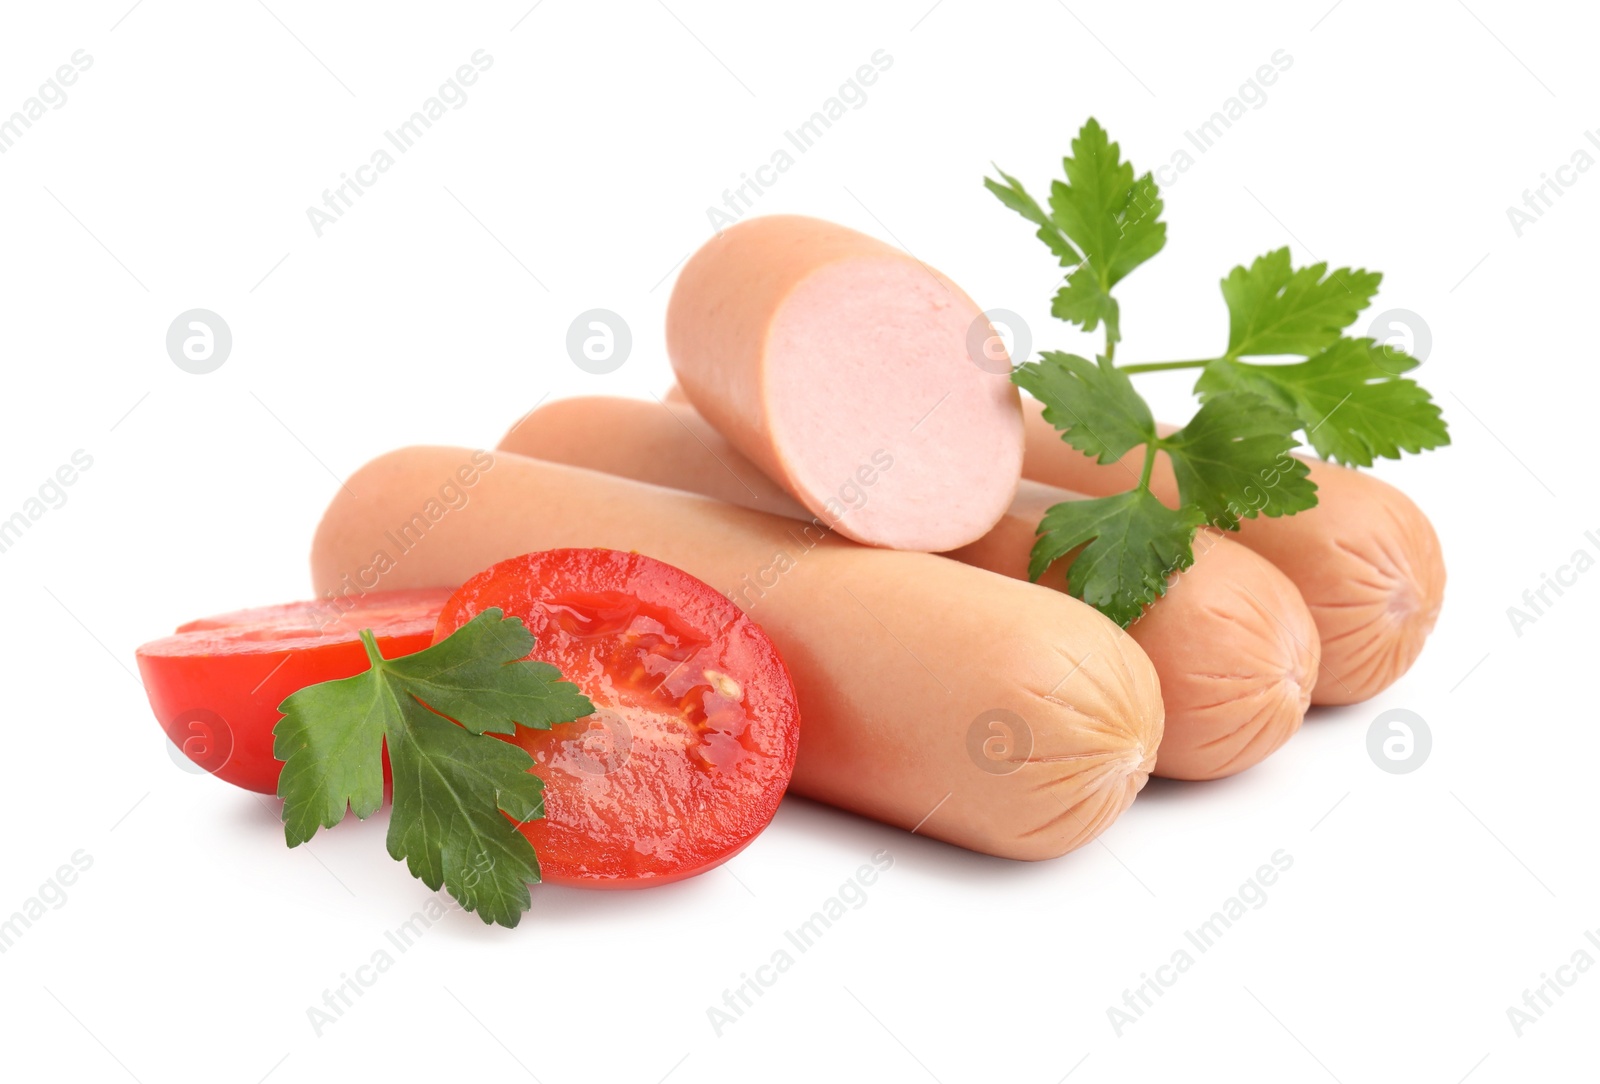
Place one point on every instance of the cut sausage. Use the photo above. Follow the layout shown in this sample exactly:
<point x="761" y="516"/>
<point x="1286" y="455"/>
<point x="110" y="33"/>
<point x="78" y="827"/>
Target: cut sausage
<point x="1233" y="644"/>
<point x="1366" y="560"/>
<point x="933" y="696"/>
<point x="824" y="355"/>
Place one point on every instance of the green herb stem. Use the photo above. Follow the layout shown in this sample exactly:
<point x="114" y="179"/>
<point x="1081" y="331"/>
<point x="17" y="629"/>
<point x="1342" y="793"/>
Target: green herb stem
<point x="1149" y="464"/>
<point x="1162" y="366"/>
<point x="370" y="642"/>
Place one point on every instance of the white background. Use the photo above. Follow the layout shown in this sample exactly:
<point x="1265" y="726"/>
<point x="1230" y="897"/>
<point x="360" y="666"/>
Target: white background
<point x="177" y="175"/>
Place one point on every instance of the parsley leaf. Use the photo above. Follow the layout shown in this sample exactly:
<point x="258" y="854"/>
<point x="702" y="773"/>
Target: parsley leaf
<point x="1014" y="196"/>
<point x="1347" y="398"/>
<point x="1086" y="302"/>
<point x="1348" y="394"/>
<point x="1111" y="217"/>
<point x="454" y="785"/>
<point x="1232" y="460"/>
<point x="1274" y="309"/>
<point x="1114" y="220"/>
<point x="1131" y="541"/>
<point x="1134" y="543"/>
<point x="1095" y="406"/>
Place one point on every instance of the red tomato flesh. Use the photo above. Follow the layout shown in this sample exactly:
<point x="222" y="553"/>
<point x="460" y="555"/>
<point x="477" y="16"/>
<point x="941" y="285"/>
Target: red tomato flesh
<point x="216" y="684"/>
<point x="695" y="728"/>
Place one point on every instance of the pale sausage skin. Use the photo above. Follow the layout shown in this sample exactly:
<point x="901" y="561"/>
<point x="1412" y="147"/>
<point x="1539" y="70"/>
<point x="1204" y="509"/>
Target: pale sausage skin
<point x="894" y="656"/>
<point x="1366" y="560"/>
<point x="1233" y="645"/>
<point x="818" y="351"/>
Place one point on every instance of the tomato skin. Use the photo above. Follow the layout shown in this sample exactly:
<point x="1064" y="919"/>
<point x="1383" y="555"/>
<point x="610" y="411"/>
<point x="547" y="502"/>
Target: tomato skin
<point x="696" y="727"/>
<point x="215" y="684"/>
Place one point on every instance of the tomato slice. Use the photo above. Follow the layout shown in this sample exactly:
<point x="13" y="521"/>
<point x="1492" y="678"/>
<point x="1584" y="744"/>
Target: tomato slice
<point x="217" y="682"/>
<point x="695" y="728"/>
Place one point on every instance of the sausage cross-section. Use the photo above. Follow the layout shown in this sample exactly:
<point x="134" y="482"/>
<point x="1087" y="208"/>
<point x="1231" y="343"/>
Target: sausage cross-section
<point x="828" y="357"/>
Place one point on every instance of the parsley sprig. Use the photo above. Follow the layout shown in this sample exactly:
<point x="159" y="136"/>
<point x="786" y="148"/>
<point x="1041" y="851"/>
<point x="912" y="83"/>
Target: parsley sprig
<point x="454" y="784"/>
<point x="1347" y="395"/>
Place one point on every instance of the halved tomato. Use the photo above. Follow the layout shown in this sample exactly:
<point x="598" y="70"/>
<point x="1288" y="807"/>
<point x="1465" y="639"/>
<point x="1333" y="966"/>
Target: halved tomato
<point x="696" y="724"/>
<point x="217" y="682"/>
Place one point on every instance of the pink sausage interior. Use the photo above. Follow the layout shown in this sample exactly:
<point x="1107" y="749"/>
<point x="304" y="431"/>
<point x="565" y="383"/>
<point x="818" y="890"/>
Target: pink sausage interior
<point x="875" y="405"/>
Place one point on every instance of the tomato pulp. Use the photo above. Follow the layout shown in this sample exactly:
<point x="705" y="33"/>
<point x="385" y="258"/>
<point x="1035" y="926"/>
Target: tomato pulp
<point x="695" y="728"/>
<point x="217" y="682"/>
